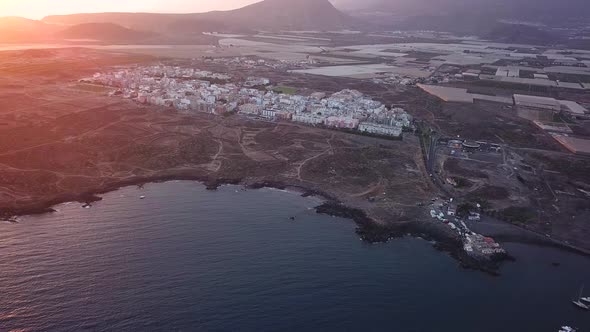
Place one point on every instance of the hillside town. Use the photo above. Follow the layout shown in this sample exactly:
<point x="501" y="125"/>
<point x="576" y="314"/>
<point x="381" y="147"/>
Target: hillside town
<point x="192" y="90"/>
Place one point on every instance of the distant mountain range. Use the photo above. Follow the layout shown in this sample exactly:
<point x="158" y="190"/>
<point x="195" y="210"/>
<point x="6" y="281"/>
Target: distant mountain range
<point x="476" y="17"/>
<point x="449" y="14"/>
<point x="513" y="8"/>
<point x="514" y="21"/>
<point x="267" y="15"/>
<point x="264" y="15"/>
<point x="19" y="30"/>
<point x="103" y="31"/>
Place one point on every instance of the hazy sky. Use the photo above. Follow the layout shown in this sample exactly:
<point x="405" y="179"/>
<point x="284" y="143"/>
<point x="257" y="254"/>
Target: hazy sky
<point x="38" y="8"/>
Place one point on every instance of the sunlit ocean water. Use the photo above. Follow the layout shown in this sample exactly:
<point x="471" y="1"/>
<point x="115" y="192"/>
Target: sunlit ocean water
<point x="188" y="259"/>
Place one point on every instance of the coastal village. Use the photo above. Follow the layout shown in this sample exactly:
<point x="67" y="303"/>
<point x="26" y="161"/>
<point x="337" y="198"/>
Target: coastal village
<point x="475" y="245"/>
<point x="142" y="150"/>
<point x="192" y="90"/>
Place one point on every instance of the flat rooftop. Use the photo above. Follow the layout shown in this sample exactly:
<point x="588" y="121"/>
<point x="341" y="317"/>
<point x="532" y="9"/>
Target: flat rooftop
<point x="568" y="70"/>
<point x="574" y="144"/>
<point x="364" y="71"/>
<point x="448" y="94"/>
<point x="569" y="85"/>
<point x="574" y="107"/>
<point x="554" y="127"/>
<point x="541" y="102"/>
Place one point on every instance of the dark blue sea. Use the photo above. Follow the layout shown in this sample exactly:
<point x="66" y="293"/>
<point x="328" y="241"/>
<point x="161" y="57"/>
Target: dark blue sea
<point x="188" y="259"/>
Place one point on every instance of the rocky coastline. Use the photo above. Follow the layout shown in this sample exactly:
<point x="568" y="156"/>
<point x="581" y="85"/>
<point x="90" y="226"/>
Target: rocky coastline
<point x="369" y="230"/>
<point x="373" y="232"/>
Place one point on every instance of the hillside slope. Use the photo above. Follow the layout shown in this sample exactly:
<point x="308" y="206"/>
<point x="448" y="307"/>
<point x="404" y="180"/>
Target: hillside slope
<point x="103" y="32"/>
<point x="266" y="15"/>
<point x="545" y="11"/>
<point x="18" y="29"/>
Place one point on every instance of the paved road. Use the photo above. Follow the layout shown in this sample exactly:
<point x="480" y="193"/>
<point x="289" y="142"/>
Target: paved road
<point x="432" y="165"/>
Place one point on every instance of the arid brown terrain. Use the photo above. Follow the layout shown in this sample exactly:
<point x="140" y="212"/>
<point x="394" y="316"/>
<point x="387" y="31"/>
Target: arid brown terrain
<point x="62" y="140"/>
<point x="531" y="181"/>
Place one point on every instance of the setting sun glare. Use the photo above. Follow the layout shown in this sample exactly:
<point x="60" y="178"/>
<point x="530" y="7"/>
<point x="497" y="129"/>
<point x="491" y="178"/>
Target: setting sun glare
<point x="37" y="9"/>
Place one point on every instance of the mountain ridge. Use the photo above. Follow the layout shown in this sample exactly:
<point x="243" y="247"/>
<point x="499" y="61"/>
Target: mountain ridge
<point x="103" y="32"/>
<point x="547" y="11"/>
<point x="263" y="15"/>
<point x="18" y="30"/>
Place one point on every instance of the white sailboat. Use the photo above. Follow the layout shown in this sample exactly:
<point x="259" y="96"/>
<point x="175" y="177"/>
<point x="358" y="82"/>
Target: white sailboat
<point x="578" y="303"/>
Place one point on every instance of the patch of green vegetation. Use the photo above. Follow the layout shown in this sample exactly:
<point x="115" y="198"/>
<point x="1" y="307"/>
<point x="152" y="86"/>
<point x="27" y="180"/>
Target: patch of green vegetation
<point x="484" y="205"/>
<point x="285" y="89"/>
<point x="474" y="205"/>
<point x="260" y="87"/>
<point x="464" y="209"/>
<point x="517" y="215"/>
<point x="462" y="182"/>
<point x="557" y="118"/>
<point x="217" y="81"/>
<point x="425" y="135"/>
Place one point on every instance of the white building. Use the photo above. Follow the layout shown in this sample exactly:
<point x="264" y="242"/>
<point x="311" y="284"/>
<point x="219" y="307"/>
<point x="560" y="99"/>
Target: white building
<point x="379" y="129"/>
<point x="271" y="114"/>
<point x="211" y="99"/>
<point x="308" y="119"/>
<point x="251" y="109"/>
<point x="341" y="122"/>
